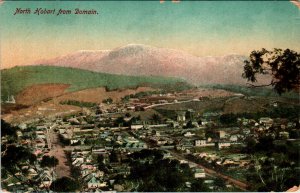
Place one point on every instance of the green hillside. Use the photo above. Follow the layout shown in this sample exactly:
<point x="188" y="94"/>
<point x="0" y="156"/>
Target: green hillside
<point x="16" y="79"/>
<point x="248" y="91"/>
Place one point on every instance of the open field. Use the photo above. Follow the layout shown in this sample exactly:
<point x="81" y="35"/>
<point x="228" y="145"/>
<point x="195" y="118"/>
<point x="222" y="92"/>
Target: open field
<point x="97" y="95"/>
<point x="15" y="80"/>
<point x="37" y="93"/>
<point x="228" y="105"/>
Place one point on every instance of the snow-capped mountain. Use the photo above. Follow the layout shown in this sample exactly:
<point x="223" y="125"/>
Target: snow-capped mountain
<point x="137" y="59"/>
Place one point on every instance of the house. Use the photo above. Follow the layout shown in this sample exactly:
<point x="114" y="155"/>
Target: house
<point x="22" y="126"/>
<point x="45" y="177"/>
<point x="85" y="172"/>
<point x="131" y="140"/>
<point x="200" y="142"/>
<point x="62" y="131"/>
<point x="223" y="144"/>
<point x="181" y="116"/>
<point x="39" y="143"/>
<point x="99" y="174"/>
<point x="221" y="134"/>
<point x="93" y="182"/>
<point x="19" y="134"/>
<point x="136" y="126"/>
<point x="199" y="173"/>
<point x="266" y="121"/>
<point x="234" y="138"/>
<point x="189" y="134"/>
<point x="77" y="161"/>
<point x="161" y="141"/>
<point x="284" y="135"/>
<point x="167" y="155"/>
<point x="32" y="173"/>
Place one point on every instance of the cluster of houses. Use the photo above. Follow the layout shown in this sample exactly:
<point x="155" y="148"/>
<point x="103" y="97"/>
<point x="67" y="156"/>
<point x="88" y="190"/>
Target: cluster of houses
<point x="35" y="139"/>
<point x="100" y="134"/>
<point x="92" y="178"/>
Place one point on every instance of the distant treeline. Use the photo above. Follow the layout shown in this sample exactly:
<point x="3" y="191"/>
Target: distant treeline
<point x="141" y="94"/>
<point x="78" y="103"/>
<point x="282" y="112"/>
<point x="267" y="92"/>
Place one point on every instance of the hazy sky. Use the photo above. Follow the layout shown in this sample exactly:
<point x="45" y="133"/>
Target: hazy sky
<point x="200" y="28"/>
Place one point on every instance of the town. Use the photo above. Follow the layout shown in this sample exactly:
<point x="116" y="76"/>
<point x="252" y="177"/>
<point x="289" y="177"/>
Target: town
<point x="112" y="146"/>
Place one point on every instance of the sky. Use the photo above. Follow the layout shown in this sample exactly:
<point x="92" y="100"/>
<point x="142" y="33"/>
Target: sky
<point x="200" y="28"/>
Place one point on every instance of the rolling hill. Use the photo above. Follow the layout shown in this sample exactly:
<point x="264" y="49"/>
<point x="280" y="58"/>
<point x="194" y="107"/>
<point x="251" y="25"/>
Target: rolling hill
<point x="16" y="79"/>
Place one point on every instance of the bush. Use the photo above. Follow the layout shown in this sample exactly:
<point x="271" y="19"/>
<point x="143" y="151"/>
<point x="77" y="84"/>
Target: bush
<point x="64" y="184"/>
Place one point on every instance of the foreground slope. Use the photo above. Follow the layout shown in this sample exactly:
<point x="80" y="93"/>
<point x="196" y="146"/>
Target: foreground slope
<point x="16" y="79"/>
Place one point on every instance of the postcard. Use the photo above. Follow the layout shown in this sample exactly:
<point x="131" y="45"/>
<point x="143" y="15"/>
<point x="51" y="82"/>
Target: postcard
<point x="150" y="96"/>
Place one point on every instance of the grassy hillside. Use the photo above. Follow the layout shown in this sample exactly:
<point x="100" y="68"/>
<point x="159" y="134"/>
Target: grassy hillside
<point x="16" y="79"/>
<point x="260" y="91"/>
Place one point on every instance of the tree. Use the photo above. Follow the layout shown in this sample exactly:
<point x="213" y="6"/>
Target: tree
<point x="273" y="173"/>
<point x="282" y="66"/>
<point x="156" y="118"/>
<point x="12" y="159"/>
<point x="228" y="119"/>
<point x="108" y="100"/>
<point x="114" y="156"/>
<point x="189" y="124"/>
<point x="250" y="145"/>
<point x="9" y="131"/>
<point x="119" y="121"/>
<point x="220" y="184"/>
<point x="64" y="184"/>
<point x="48" y="161"/>
<point x="156" y="174"/>
<point x="199" y="186"/>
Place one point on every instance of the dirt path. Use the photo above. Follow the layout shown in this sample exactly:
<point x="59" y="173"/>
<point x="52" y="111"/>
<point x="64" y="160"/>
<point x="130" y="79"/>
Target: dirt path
<point x="57" y="150"/>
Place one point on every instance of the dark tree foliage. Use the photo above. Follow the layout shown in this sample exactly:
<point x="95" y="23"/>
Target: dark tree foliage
<point x="199" y="186"/>
<point x="8" y="130"/>
<point x="114" y="156"/>
<point x="14" y="156"/>
<point x="101" y="164"/>
<point x="119" y="122"/>
<point x="156" y="118"/>
<point x="189" y="124"/>
<point x="219" y="183"/>
<point x="64" y="184"/>
<point x="48" y="161"/>
<point x="228" y="118"/>
<point x="156" y="174"/>
<point x="275" y="174"/>
<point x="282" y="66"/>
<point x="277" y="170"/>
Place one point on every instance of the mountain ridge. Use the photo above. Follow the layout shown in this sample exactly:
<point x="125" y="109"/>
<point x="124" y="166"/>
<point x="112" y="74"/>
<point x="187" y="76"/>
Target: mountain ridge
<point x="139" y="59"/>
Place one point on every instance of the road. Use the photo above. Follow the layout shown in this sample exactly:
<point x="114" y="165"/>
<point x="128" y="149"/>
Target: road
<point x="211" y="172"/>
<point x="208" y="171"/>
<point x="163" y="104"/>
<point x="58" y="151"/>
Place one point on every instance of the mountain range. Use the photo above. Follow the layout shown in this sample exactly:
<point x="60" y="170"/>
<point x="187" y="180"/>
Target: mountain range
<point x="137" y="59"/>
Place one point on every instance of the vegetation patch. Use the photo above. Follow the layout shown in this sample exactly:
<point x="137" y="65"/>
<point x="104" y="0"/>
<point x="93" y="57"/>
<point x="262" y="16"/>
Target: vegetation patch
<point x="78" y="103"/>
